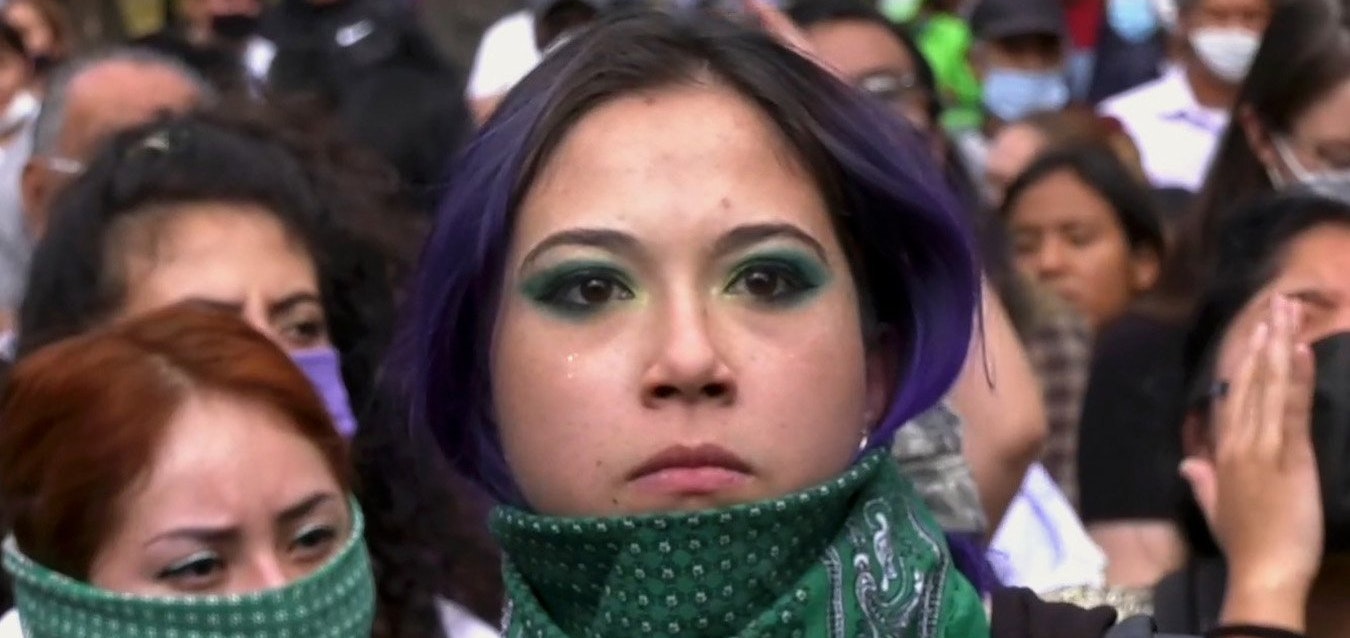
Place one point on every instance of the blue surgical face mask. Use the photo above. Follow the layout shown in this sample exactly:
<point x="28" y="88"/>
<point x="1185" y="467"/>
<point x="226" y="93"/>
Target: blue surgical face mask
<point x="900" y="11"/>
<point x="323" y="366"/>
<point x="1012" y="95"/>
<point x="1133" y="20"/>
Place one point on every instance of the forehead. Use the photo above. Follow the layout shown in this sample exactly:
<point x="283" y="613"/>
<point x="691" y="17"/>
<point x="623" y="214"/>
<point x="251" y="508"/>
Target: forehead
<point x="214" y="251"/>
<point x="1315" y="260"/>
<point x="854" y="47"/>
<point x="222" y="454"/>
<point x="1320" y="256"/>
<point x="1061" y="193"/>
<point x="694" y="157"/>
<point x="1227" y="6"/>
<point x="118" y="95"/>
<point x="1327" y="119"/>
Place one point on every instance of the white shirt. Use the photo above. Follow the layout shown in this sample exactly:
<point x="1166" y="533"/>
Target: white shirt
<point x="457" y="622"/>
<point x="1176" y="136"/>
<point x="505" y="56"/>
<point x="1041" y="544"/>
<point x="10" y="626"/>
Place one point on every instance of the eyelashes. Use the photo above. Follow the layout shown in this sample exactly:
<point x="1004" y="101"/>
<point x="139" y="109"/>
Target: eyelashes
<point x="769" y="280"/>
<point x="579" y="289"/>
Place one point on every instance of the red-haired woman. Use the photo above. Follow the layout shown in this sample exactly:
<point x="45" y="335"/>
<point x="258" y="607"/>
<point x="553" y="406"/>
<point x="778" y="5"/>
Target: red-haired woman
<point x="177" y="473"/>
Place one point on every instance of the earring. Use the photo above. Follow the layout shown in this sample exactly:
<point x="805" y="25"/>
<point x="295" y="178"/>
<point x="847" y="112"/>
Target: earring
<point x="866" y="438"/>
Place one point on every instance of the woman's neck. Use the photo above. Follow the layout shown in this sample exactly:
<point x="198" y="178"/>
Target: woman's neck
<point x="1210" y="91"/>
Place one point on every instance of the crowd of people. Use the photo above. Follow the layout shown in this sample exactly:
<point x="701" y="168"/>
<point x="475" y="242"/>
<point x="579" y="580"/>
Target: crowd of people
<point x="818" y="318"/>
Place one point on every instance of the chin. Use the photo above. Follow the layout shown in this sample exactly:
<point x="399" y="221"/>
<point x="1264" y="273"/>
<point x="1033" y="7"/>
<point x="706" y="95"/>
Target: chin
<point x="639" y="502"/>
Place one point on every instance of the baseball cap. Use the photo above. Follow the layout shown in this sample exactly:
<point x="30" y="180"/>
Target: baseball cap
<point x="543" y="7"/>
<point x="995" y="19"/>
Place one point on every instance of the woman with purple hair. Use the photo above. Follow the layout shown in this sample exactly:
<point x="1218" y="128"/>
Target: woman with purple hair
<point x="684" y="288"/>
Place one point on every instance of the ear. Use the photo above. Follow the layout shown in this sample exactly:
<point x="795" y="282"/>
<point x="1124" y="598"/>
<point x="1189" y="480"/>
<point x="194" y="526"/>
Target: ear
<point x="1145" y="268"/>
<point x="35" y="191"/>
<point x="883" y="374"/>
<point x="1258" y="138"/>
<point x="1200" y="474"/>
<point x="1194" y="441"/>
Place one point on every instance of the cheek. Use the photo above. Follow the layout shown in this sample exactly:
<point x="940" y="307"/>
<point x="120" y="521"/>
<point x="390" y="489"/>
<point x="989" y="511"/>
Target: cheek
<point x="116" y="567"/>
<point x="1106" y="263"/>
<point x="803" y="394"/>
<point x="1025" y="263"/>
<point x="560" y="391"/>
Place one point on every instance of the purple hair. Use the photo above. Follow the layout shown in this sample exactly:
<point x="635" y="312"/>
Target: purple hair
<point x="909" y="248"/>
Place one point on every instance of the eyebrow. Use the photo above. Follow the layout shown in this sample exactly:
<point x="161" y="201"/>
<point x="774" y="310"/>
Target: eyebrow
<point x="620" y="242"/>
<point x="304" y="508"/>
<point x="611" y="240"/>
<point x="290" y="302"/>
<point x="285" y="305"/>
<point x="748" y="235"/>
<point x="221" y="535"/>
<point x="1311" y="294"/>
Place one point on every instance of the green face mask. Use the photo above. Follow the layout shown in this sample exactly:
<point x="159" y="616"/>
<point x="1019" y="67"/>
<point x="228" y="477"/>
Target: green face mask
<point x="338" y="601"/>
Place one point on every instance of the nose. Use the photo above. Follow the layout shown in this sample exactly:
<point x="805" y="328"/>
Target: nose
<point x="266" y="571"/>
<point x="1051" y="260"/>
<point x="255" y="315"/>
<point x="687" y="366"/>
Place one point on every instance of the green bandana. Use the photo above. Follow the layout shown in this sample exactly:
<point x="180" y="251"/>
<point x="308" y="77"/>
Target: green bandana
<point x="338" y="601"/>
<point x="858" y="556"/>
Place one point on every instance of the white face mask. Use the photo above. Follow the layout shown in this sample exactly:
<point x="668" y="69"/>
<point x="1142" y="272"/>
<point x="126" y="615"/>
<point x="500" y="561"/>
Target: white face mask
<point x="1227" y="52"/>
<point x="1333" y="184"/>
<point x="1167" y="14"/>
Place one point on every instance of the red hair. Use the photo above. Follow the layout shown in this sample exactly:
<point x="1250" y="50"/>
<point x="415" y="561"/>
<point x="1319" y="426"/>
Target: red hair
<point x="82" y="420"/>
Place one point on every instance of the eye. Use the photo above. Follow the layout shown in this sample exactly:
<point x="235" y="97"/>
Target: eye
<point x="585" y="291"/>
<point x="315" y="541"/>
<point x="195" y="573"/>
<point x="771" y="282"/>
<point x="1025" y="245"/>
<point x="1080" y="237"/>
<point x="314" y="330"/>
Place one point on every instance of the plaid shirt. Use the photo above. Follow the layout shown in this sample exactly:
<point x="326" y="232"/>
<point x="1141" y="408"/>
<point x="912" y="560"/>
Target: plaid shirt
<point x="1059" y="345"/>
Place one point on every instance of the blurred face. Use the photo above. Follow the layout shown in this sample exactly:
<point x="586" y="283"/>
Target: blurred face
<point x="235" y="258"/>
<point x="1068" y="237"/>
<point x="236" y="501"/>
<point x="103" y="100"/>
<point x="870" y="57"/>
<point x="1011" y="152"/>
<point x="38" y="36"/>
<point x="1252" y="15"/>
<point x="1311" y="272"/>
<point x="1318" y="140"/>
<point x="233" y="7"/>
<point x="196" y="13"/>
<point x="678" y="327"/>
<point x="1037" y="52"/>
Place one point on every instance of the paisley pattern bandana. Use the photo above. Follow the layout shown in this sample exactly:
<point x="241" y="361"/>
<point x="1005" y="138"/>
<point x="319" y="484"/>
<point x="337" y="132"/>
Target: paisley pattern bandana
<point x="338" y="601"/>
<point x="858" y="556"/>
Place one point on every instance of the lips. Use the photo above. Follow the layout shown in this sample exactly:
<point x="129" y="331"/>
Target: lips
<point x="685" y="471"/>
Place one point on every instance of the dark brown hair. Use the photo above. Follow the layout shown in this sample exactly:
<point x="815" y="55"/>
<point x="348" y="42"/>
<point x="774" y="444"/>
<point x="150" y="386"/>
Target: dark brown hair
<point x="83" y="420"/>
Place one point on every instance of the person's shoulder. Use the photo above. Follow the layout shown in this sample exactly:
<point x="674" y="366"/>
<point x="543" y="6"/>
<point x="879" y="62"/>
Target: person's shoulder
<point x="518" y="25"/>
<point x="1147" y="96"/>
<point x="457" y="622"/>
<point x="10" y="627"/>
<point x="1019" y="612"/>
